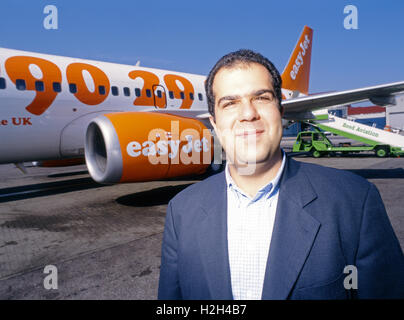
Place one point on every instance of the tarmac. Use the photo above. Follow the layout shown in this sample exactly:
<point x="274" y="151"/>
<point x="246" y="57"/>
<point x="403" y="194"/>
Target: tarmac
<point x="105" y="241"/>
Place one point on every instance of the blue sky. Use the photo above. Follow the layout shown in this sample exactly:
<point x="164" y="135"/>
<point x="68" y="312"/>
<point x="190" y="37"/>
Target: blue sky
<point x="190" y="36"/>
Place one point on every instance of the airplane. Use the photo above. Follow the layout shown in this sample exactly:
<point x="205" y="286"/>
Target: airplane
<point x="133" y="123"/>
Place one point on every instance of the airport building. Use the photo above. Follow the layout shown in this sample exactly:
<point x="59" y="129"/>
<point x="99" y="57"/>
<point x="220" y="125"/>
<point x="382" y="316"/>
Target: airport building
<point x="395" y="115"/>
<point x="373" y="116"/>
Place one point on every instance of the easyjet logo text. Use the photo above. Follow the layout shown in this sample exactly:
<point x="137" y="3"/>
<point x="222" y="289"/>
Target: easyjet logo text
<point x="174" y="146"/>
<point x="299" y="59"/>
<point x="168" y="148"/>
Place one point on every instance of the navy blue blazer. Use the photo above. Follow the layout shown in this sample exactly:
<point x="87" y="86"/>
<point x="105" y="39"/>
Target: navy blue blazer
<point x="326" y="220"/>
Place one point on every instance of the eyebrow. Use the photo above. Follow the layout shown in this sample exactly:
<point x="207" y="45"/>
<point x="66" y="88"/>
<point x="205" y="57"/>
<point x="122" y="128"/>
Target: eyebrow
<point x="254" y="94"/>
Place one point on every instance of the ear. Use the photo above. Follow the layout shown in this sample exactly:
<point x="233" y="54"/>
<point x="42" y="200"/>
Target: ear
<point x="217" y="133"/>
<point x="212" y="122"/>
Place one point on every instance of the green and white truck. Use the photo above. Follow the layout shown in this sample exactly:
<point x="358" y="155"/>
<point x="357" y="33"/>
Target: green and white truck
<point x="382" y="143"/>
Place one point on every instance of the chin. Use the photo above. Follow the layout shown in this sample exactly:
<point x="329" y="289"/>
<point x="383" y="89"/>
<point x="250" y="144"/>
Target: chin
<point x="251" y="159"/>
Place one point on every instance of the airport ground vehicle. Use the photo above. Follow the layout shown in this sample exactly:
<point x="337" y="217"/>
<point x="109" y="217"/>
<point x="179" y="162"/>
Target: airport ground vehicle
<point x="317" y="143"/>
<point x="382" y="142"/>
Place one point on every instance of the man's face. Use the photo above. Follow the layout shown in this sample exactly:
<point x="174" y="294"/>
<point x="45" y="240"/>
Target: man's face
<point x="247" y="121"/>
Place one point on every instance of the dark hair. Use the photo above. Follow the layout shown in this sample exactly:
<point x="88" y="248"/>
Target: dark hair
<point x="243" y="56"/>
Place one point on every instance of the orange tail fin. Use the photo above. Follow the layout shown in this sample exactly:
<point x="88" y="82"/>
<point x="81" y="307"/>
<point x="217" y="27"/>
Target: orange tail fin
<point x="296" y="75"/>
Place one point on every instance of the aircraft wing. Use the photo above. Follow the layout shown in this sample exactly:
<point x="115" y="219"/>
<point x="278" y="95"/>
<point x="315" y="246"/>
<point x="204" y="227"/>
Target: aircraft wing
<point x="299" y="108"/>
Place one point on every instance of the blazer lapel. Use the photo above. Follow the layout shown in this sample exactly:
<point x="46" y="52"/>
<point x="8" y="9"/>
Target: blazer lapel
<point x="294" y="233"/>
<point x="212" y="238"/>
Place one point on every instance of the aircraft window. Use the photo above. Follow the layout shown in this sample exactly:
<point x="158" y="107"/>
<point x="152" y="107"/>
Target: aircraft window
<point x="39" y="86"/>
<point x="20" y="84"/>
<point x="191" y="96"/>
<point x="57" y="87"/>
<point x="114" y="90"/>
<point x="182" y="95"/>
<point x="159" y="93"/>
<point x="126" y="91"/>
<point x="200" y="96"/>
<point x="101" y="90"/>
<point x="137" y="92"/>
<point x="72" y="87"/>
<point x="148" y="93"/>
<point x="2" y="83"/>
<point x="171" y="94"/>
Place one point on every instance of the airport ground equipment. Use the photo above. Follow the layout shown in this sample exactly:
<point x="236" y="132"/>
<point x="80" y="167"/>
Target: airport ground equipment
<point x="383" y="143"/>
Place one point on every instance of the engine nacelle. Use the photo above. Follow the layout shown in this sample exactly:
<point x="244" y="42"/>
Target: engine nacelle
<point x="146" y="146"/>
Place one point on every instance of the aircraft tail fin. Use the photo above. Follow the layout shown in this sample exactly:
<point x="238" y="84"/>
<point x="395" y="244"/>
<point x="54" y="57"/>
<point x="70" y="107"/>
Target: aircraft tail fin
<point x="295" y="76"/>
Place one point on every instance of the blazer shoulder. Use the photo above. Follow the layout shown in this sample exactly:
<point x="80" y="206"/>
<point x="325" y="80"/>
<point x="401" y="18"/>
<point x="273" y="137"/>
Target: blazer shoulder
<point x="319" y="171"/>
<point x="332" y="179"/>
<point x="200" y="190"/>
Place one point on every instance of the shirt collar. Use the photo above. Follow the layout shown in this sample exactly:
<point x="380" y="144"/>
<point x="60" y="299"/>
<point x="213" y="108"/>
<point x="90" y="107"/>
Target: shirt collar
<point x="264" y="192"/>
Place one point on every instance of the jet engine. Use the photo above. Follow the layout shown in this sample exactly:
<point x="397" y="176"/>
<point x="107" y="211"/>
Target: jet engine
<point x="145" y="146"/>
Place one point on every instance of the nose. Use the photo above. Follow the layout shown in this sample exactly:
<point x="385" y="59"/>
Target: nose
<point x="248" y="111"/>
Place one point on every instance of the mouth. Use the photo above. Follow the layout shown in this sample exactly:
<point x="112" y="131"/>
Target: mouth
<point x="249" y="133"/>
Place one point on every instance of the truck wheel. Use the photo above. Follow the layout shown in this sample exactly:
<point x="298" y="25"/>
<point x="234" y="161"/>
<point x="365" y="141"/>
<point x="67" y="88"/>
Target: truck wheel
<point x="381" y="152"/>
<point x="316" y="154"/>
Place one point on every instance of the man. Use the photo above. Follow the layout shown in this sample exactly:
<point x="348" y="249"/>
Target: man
<point x="269" y="227"/>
